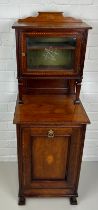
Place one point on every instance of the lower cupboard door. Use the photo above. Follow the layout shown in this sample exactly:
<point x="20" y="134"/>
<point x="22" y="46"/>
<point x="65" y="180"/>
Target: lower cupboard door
<point x="50" y="158"/>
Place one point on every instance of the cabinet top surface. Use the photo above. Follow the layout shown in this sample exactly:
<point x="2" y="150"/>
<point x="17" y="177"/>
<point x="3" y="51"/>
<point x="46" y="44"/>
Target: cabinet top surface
<point x="50" y="109"/>
<point x="50" y="20"/>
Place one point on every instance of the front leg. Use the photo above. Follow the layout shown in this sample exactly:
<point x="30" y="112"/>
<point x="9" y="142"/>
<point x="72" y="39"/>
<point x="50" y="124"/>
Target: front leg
<point x="21" y="200"/>
<point x="73" y="200"/>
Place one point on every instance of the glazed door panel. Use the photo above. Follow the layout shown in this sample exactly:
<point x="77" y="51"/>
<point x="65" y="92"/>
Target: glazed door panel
<point x="50" y="157"/>
<point x="50" y="53"/>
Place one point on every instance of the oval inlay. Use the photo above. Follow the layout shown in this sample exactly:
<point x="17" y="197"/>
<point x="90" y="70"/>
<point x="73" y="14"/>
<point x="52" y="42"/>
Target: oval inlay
<point x="50" y="159"/>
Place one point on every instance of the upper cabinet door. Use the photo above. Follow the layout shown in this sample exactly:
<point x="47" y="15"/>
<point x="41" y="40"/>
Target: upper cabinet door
<point x="50" y="54"/>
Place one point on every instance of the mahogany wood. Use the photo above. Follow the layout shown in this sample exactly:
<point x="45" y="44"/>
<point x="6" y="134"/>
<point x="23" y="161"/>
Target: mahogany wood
<point x="54" y="20"/>
<point x="59" y="156"/>
<point x="54" y="109"/>
<point x="50" y="24"/>
<point x="50" y="127"/>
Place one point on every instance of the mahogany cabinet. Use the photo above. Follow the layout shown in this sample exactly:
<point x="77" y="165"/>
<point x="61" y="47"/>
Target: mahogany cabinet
<point x="49" y="116"/>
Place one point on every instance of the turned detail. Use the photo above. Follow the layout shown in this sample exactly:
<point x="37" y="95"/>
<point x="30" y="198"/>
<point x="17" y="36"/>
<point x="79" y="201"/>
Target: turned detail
<point x="20" y="87"/>
<point x="78" y="88"/>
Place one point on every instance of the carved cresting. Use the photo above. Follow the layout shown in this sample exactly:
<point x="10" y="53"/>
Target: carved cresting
<point x="49" y="16"/>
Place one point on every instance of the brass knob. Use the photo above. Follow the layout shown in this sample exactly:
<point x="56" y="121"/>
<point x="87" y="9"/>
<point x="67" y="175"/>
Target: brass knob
<point x="51" y="134"/>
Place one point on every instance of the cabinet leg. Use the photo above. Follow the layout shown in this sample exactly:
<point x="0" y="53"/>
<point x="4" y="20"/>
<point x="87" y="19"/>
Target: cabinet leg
<point x="73" y="200"/>
<point x="21" y="200"/>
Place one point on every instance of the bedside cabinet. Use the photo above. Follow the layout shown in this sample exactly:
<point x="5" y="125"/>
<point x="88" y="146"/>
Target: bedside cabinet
<point x="49" y="117"/>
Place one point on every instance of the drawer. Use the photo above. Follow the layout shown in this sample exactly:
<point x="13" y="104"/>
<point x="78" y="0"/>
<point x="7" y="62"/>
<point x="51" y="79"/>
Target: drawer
<point x="51" y="131"/>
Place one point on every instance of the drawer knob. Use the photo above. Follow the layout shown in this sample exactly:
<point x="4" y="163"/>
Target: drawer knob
<point x="51" y="134"/>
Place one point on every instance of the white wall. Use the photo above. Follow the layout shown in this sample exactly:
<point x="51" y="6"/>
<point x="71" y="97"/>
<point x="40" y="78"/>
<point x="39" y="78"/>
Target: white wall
<point x="13" y="9"/>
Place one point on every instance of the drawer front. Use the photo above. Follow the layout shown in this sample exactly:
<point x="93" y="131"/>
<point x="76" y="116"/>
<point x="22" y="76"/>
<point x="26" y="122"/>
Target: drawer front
<point x="49" y="131"/>
<point x="50" y="157"/>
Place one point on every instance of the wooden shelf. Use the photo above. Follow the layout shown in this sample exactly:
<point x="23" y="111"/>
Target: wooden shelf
<point x="35" y="47"/>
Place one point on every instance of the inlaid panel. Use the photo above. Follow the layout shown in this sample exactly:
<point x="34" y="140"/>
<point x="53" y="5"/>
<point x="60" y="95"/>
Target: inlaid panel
<point x="49" y="157"/>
